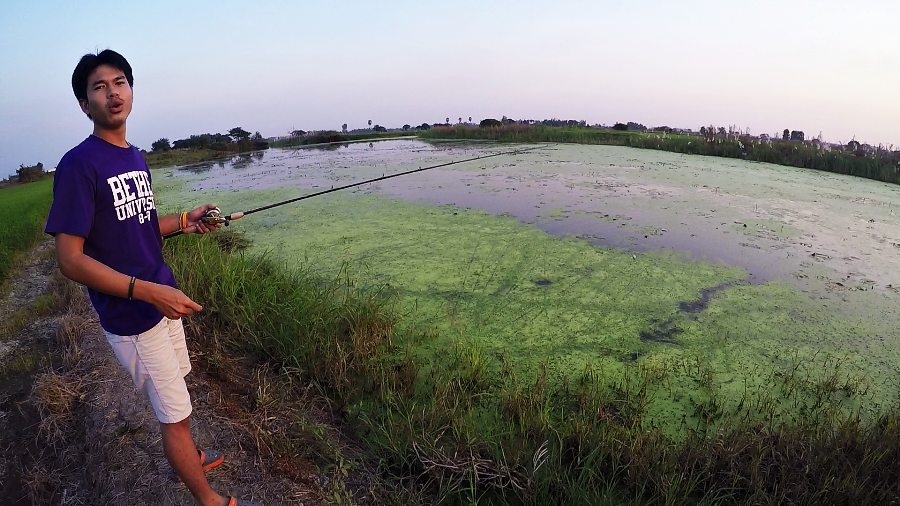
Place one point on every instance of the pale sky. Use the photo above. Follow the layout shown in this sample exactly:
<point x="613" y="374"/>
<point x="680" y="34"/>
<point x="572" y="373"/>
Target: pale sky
<point x="829" y="66"/>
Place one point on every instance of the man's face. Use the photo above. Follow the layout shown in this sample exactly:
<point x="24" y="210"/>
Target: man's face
<point x="109" y="97"/>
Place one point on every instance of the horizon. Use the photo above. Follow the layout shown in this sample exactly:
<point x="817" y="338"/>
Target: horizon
<point x="810" y="66"/>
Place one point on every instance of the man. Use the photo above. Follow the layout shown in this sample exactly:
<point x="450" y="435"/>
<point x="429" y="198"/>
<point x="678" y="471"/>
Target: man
<point x="109" y="238"/>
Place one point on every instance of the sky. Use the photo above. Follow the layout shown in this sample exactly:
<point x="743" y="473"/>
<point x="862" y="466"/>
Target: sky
<point x="818" y="66"/>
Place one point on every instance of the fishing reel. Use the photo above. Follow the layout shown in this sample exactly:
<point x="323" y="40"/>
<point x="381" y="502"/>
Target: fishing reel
<point x="214" y="216"/>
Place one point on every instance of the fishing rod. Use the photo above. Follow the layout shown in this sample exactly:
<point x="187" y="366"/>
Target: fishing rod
<point x="214" y="216"/>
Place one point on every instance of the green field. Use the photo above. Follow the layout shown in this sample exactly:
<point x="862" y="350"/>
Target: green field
<point x="23" y="212"/>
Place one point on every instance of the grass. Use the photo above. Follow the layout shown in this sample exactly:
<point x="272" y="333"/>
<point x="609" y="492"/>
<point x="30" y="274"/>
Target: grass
<point x="335" y="137"/>
<point x="23" y="211"/>
<point x="471" y="427"/>
<point x="882" y="166"/>
<point x="176" y="157"/>
<point x="43" y="305"/>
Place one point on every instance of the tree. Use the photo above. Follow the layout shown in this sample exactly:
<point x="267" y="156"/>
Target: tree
<point x="636" y="126"/>
<point x="406" y="127"/>
<point x="238" y="134"/>
<point x="379" y="128"/>
<point x="344" y="128"/>
<point x="447" y="120"/>
<point x="424" y="126"/>
<point x="703" y="131"/>
<point x="620" y="126"/>
<point x="160" y="145"/>
<point x="30" y="173"/>
<point x="297" y="133"/>
<point x="786" y="135"/>
<point x="797" y="135"/>
<point x="722" y="131"/>
<point x="370" y="123"/>
<point x="489" y="123"/>
<point x="257" y="137"/>
<point x="460" y="121"/>
<point x="470" y="119"/>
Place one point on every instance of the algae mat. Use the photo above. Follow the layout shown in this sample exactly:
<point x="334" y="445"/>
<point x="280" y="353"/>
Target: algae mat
<point x="722" y="273"/>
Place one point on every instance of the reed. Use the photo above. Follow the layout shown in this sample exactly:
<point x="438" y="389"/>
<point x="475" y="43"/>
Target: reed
<point x="331" y="137"/>
<point x="881" y="165"/>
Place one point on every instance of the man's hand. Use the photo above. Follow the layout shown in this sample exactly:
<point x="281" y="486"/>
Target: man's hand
<point x="171" y="302"/>
<point x="75" y="265"/>
<point x="195" y="223"/>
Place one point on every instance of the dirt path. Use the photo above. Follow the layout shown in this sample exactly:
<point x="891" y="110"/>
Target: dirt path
<point x="74" y="431"/>
<point x="20" y="344"/>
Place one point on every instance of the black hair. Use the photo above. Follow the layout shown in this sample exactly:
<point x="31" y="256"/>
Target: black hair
<point x="89" y="62"/>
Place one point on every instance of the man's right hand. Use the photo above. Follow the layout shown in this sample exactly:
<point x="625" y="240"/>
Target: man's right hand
<point x="75" y="265"/>
<point x="171" y="302"/>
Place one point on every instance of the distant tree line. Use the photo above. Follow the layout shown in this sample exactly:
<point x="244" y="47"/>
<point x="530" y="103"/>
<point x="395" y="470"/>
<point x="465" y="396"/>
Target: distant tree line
<point x="237" y="139"/>
<point x="29" y="173"/>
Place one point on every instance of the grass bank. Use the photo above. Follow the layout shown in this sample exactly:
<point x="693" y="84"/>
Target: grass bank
<point x="333" y="137"/>
<point x="23" y="211"/>
<point x="177" y="157"/>
<point x="472" y="427"/>
<point x="881" y="167"/>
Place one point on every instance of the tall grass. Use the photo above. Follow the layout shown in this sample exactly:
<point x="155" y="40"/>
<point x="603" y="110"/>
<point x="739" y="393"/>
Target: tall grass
<point x="470" y="428"/>
<point x="332" y="137"/>
<point x="23" y="211"/>
<point x="881" y="166"/>
<point x="173" y="157"/>
<point x="529" y="133"/>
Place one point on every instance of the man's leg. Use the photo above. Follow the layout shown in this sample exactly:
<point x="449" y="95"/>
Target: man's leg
<point x="184" y="459"/>
<point x="157" y="362"/>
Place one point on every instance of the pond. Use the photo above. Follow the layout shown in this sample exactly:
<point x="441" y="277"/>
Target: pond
<point x="723" y="273"/>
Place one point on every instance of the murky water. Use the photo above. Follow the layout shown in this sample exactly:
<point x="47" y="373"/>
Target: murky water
<point x="746" y="264"/>
<point x="775" y="222"/>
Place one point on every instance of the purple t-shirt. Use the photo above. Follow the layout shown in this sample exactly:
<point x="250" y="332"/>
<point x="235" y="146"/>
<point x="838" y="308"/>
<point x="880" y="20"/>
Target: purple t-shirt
<point x="102" y="192"/>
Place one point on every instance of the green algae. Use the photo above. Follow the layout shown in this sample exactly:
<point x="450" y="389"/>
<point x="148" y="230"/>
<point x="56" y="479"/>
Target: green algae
<point x="508" y="290"/>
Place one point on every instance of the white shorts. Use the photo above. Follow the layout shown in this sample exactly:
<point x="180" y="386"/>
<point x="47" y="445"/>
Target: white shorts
<point x="157" y="361"/>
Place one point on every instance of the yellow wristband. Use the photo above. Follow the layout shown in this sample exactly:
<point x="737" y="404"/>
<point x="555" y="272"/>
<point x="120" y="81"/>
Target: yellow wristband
<point x="184" y="221"/>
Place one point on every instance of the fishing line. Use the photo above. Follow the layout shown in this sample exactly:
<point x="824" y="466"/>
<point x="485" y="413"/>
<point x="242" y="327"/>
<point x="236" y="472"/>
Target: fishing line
<point x="215" y="216"/>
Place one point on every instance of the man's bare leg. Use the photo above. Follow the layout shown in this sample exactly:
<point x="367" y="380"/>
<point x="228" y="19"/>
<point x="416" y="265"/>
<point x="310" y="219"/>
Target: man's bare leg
<point x="182" y="455"/>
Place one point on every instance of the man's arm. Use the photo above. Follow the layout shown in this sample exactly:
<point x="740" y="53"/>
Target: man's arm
<point x="171" y="223"/>
<point x="77" y="266"/>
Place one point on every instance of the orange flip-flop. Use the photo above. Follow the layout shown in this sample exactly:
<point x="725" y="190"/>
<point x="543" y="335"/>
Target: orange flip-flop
<point x="210" y="459"/>
<point x="234" y="501"/>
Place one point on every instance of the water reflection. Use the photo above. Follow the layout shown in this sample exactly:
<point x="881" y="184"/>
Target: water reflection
<point x="329" y="147"/>
<point x="200" y="167"/>
<point x="242" y="161"/>
<point x="238" y="161"/>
